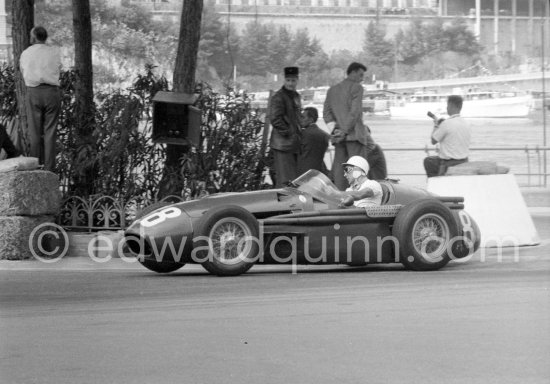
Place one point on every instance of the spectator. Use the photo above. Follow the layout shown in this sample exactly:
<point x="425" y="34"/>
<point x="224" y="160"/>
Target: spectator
<point x="343" y="113"/>
<point x="40" y="66"/>
<point x="453" y="135"/>
<point x="285" y="138"/>
<point x="314" y="143"/>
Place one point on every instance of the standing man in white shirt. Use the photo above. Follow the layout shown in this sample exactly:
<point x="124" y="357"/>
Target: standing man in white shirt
<point x="453" y="136"/>
<point x="40" y="66"/>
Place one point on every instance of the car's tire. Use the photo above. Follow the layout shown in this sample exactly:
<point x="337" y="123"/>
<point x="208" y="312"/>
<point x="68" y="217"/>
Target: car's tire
<point x="424" y="229"/>
<point x="462" y="248"/>
<point x="152" y="264"/>
<point x="227" y="227"/>
<point x="160" y="266"/>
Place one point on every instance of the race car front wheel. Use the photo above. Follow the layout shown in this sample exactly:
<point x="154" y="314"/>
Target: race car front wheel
<point x="226" y="240"/>
<point x="424" y="230"/>
<point x="160" y="266"/>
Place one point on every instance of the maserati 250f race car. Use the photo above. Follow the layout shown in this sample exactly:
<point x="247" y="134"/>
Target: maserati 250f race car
<point x="227" y="233"/>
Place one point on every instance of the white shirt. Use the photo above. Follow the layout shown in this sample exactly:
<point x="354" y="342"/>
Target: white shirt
<point x="453" y="136"/>
<point x="368" y="201"/>
<point x="40" y="64"/>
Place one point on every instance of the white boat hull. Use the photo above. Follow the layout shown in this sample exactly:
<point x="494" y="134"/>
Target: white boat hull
<point x="518" y="106"/>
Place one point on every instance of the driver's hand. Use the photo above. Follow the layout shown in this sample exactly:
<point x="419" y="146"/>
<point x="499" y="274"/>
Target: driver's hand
<point x="346" y="202"/>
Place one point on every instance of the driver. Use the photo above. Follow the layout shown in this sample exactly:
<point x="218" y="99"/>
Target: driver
<point x="362" y="191"/>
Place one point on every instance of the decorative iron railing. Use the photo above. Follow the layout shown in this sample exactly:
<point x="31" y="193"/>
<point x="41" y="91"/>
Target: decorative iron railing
<point x="102" y="212"/>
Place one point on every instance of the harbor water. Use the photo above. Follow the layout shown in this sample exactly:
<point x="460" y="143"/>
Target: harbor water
<point x="398" y="138"/>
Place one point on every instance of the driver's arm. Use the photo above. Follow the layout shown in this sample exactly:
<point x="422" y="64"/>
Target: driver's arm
<point x="349" y="197"/>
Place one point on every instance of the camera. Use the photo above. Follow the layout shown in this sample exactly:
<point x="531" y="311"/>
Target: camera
<point x="436" y="120"/>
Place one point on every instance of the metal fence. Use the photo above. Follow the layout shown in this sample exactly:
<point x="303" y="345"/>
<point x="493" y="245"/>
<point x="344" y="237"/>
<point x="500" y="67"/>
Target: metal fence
<point x="102" y="212"/>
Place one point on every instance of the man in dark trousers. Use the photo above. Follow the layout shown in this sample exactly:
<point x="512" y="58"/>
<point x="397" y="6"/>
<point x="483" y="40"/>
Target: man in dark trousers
<point x="6" y="144"/>
<point x="314" y="143"/>
<point x="343" y="113"/>
<point x="285" y="114"/>
<point x="40" y="66"/>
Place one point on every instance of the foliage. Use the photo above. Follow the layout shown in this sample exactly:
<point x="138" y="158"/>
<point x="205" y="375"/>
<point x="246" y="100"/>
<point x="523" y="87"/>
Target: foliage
<point x="129" y="164"/>
<point x="230" y="140"/>
<point x="378" y="50"/>
<point x="8" y="101"/>
<point x="422" y="39"/>
<point x="218" y="49"/>
<point x="266" y="49"/>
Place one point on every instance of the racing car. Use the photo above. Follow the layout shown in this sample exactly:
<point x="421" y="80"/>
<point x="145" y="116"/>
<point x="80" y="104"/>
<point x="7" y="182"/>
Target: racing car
<point x="304" y="223"/>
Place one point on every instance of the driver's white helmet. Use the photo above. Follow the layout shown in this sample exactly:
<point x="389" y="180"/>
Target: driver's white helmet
<point x="358" y="161"/>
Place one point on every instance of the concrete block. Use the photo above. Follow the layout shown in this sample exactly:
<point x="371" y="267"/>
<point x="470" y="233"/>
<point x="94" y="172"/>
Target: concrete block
<point x="496" y="204"/>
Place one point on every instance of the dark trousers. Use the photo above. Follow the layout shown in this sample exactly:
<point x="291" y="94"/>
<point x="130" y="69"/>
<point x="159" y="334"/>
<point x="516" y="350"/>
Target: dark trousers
<point x="435" y="166"/>
<point x="286" y="167"/>
<point x="377" y="164"/>
<point x="346" y="149"/>
<point x="43" y="106"/>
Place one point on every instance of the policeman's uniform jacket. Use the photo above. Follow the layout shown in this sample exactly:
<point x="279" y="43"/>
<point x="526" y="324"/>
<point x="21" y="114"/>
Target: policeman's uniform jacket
<point x="285" y="112"/>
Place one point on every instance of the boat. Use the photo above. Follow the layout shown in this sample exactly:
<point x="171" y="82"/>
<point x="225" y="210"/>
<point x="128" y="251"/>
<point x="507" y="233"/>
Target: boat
<point x="484" y="104"/>
<point x="541" y="107"/>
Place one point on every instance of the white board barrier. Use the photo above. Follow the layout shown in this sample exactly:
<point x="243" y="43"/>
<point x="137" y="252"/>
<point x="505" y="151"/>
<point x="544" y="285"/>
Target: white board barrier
<point x="495" y="203"/>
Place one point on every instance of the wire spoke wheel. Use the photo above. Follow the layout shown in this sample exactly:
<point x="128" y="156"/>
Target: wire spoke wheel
<point x="233" y="245"/>
<point x="424" y="229"/>
<point x="430" y="236"/>
<point x="230" y="239"/>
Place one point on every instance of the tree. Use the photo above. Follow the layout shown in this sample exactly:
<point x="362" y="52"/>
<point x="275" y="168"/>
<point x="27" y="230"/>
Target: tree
<point x="255" y="58"/>
<point x="84" y="92"/>
<point x="188" y="46"/>
<point x="378" y="50"/>
<point x="22" y="23"/>
<point x="410" y="43"/>
<point x="460" y="39"/>
<point x="184" y="82"/>
<point x="219" y="47"/>
<point x="278" y="49"/>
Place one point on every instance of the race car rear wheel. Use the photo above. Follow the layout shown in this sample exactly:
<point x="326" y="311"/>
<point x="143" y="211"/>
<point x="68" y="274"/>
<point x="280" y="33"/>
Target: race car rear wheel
<point x="424" y="230"/>
<point x="161" y="266"/>
<point x="232" y="246"/>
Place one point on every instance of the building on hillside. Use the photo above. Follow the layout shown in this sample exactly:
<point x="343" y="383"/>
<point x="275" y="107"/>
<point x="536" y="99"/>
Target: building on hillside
<point x="502" y="26"/>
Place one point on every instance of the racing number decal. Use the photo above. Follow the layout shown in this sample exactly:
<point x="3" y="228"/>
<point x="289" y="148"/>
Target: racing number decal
<point x="466" y="225"/>
<point x="160" y="216"/>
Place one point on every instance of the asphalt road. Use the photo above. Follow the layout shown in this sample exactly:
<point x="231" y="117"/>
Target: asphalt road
<point x="483" y="321"/>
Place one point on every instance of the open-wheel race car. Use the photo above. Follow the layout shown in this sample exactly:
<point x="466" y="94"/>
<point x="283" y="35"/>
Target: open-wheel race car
<point x="227" y="233"/>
